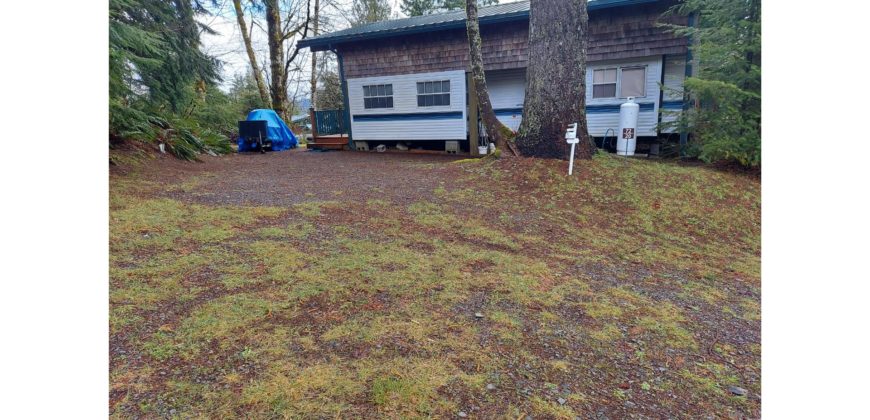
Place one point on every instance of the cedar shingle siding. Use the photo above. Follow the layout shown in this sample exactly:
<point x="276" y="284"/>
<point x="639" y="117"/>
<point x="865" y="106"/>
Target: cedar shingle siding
<point x="614" y="34"/>
<point x="504" y="47"/>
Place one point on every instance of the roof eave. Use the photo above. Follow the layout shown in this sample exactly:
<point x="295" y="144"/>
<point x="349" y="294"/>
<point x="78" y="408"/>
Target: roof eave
<point x="329" y="43"/>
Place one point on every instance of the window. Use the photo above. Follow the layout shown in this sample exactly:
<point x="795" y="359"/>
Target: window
<point x="378" y="96"/>
<point x="632" y="82"/>
<point x="604" y="83"/>
<point x="433" y="93"/>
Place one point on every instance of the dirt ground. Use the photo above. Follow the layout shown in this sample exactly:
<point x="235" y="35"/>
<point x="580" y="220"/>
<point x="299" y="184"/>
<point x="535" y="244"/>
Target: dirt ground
<point x="355" y="285"/>
<point x="296" y="176"/>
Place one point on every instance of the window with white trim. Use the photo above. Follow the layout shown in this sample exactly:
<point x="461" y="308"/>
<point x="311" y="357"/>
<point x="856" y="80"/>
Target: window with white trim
<point x="378" y="96"/>
<point x="626" y="81"/>
<point x="604" y="83"/>
<point x="632" y="82"/>
<point x="436" y="93"/>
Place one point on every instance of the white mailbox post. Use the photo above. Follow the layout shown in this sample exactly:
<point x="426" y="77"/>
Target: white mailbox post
<point x="571" y="137"/>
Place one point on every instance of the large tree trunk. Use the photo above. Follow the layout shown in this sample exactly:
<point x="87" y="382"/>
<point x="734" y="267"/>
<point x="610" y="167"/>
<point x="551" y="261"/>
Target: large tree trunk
<point x="255" y="68"/>
<point x="276" y="57"/>
<point x="555" y="80"/>
<point x="314" y="56"/>
<point x="494" y="128"/>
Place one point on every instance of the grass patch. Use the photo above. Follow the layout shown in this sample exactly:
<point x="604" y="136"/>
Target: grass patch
<point x="597" y="288"/>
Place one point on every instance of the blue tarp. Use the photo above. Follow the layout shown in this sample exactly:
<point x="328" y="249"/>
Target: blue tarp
<point x="280" y="135"/>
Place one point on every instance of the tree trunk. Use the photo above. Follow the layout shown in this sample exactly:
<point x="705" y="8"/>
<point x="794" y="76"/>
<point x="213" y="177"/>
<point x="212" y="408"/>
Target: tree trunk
<point x="255" y="68"/>
<point x="303" y="27"/>
<point x="555" y="80"/>
<point x="314" y="56"/>
<point x="276" y="57"/>
<point x="494" y="128"/>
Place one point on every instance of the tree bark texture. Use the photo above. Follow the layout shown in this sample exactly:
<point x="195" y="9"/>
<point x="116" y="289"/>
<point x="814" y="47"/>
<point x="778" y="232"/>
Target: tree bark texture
<point x="316" y="28"/>
<point x="275" y="35"/>
<point x="255" y="68"/>
<point x="494" y="128"/>
<point x="555" y="80"/>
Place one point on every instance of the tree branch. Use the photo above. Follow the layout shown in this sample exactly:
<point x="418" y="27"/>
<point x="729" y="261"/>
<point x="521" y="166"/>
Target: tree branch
<point x="304" y="28"/>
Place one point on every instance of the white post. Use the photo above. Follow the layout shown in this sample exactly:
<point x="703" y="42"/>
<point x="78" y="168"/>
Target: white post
<point x="571" y="159"/>
<point x="571" y="137"/>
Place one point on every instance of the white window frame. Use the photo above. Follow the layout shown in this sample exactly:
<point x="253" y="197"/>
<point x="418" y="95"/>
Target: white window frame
<point x="619" y="80"/>
<point x="615" y="83"/>
<point x="375" y="85"/>
<point x="441" y="83"/>
<point x="619" y="69"/>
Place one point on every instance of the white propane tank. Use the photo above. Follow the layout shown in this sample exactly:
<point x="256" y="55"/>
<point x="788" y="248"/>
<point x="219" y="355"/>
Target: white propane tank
<point x="626" y="141"/>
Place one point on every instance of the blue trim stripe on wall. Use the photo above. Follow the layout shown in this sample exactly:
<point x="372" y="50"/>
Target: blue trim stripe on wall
<point x="596" y="109"/>
<point x="507" y="112"/>
<point x="672" y="105"/>
<point x="410" y="116"/>
<point x="591" y="109"/>
<point x="614" y="109"/>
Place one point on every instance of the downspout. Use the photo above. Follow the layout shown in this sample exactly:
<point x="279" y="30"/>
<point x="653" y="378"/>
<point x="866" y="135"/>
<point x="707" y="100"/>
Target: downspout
<point x="344" y="97"/>
<point x="684" y="136"/>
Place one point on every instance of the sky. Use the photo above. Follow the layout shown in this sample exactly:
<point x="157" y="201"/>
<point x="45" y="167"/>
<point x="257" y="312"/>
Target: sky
<point x="228" y="45"/>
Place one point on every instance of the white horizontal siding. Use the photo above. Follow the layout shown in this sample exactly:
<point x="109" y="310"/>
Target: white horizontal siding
<point x="647" y="119"/>
<point x="405" y="102"/>
<point x="675" y="74"/>
<point x="507" y="89"/>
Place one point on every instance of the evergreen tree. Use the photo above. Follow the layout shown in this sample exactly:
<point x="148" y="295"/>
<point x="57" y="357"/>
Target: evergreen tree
<point x="369" y="11"/>
<point x="425" y="7"/>
<point x="245" y="94"/>
<point x="418" y="7"/>
<point x="726" y="88"/>
<point x="555" y="94"/>
<point x="154" y="49"/>
<point x="159" y="79"/>
<point x="460" y="4"/>
<point x="329" y="92"/>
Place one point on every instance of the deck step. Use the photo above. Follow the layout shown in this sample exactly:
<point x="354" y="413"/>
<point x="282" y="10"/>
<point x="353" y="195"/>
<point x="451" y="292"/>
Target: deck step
<point x="322" y="141"/>
<point x="321" y="145"/>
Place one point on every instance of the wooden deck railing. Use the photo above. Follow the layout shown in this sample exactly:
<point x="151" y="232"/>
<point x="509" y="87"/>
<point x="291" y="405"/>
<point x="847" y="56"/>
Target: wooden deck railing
<point x="330" y="122"/>
<point x="328" y="129"/>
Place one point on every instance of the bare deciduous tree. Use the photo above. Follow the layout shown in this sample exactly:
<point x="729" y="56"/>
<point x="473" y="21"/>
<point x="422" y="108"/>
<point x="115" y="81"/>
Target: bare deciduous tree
<point x="494" y="128"/>
<point x="279" y="31"/>
<point x="316" y="25"/>
<point x="249" y="48"/>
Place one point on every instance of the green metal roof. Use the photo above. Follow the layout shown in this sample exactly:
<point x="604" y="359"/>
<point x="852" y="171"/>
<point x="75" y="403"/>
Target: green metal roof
<point x="439" y="22"/>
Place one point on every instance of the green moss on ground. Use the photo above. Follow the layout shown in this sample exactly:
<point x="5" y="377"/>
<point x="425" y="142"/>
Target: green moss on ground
<point x="611" y="287"/>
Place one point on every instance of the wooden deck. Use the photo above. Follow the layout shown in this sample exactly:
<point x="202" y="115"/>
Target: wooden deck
<point x="331" y="141"/>
<point x="328" y="129"/>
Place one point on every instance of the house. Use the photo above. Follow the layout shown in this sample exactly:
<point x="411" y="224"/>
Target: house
<point x="301" y="120"/>
<point x="408" y="79"/>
